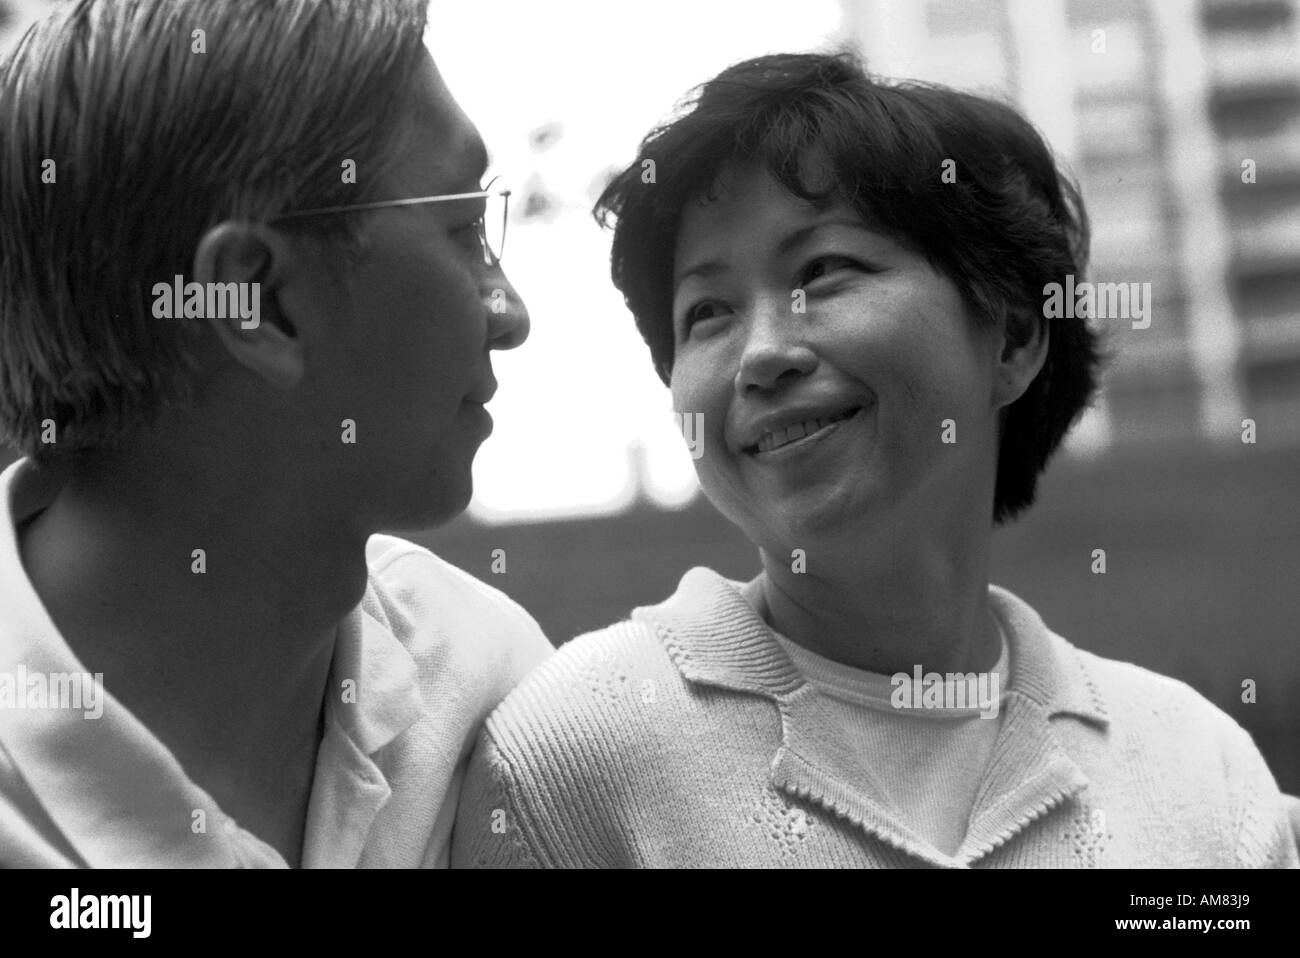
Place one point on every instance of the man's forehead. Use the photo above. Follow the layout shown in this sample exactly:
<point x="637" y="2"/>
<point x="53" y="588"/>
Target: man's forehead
<point x="446" y="142"/>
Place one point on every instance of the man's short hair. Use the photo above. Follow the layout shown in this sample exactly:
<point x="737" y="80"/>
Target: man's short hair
<point x="161" y="119"/>
<point x="1007" y="224"/>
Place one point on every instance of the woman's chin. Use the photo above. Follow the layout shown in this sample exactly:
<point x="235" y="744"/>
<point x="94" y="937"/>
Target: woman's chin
<point x="826" y="527"/>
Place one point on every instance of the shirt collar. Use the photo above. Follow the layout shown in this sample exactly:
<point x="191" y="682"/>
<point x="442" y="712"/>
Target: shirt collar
<point x="373" y="697"/>
<point x="374" y="682"/>
<point x="117" y="794"/>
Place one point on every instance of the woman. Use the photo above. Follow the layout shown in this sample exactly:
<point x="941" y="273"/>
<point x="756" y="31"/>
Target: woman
<point x="846" y="280"/>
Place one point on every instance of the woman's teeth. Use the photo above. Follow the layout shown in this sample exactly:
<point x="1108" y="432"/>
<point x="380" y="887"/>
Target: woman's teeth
<point x="783" y="437"/>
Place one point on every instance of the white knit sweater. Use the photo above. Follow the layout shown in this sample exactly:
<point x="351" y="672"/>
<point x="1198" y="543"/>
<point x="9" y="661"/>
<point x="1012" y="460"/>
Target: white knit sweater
<point x="686" y="737"/>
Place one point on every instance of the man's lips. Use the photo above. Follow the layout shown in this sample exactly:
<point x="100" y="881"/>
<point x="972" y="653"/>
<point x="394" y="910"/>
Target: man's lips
<point x="780" y="428"/>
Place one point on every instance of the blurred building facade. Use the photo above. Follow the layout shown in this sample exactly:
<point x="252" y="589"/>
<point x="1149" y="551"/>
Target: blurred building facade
<point x="1181" y="121"/>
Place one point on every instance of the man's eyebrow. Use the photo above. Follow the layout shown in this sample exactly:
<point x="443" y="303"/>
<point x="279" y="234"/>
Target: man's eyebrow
<point x="480" y="158"/>
<point x="476" y="160"/>
<point x="712" y="268"/>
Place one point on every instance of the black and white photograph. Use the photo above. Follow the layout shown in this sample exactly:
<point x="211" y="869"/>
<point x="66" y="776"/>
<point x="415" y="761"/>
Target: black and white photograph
<point x="708" y="435"/>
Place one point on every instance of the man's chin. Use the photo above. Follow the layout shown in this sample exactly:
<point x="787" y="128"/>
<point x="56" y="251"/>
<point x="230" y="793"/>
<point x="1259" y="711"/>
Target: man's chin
<point x="431" y="511"/>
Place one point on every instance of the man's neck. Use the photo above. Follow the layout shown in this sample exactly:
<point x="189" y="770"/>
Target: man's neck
<point x="224" y="653"/>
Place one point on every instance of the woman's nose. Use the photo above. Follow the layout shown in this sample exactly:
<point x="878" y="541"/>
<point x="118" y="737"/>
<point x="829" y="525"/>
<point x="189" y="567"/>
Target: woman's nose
<point x="774" y="349"/>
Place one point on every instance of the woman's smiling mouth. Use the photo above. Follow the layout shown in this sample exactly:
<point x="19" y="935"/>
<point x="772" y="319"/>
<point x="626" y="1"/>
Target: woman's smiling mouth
<point x="781" y="438"/>
<point x="800" y="434"/>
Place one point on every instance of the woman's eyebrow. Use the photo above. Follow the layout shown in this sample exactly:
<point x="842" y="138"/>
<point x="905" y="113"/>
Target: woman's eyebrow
<point x="802" y="234"/>
<point x="704" y="270"/>
<point x="711" y="268"/>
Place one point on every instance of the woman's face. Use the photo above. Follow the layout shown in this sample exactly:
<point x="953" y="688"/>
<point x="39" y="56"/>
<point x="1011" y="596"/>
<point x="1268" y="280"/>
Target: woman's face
<point x="825" y="358"/>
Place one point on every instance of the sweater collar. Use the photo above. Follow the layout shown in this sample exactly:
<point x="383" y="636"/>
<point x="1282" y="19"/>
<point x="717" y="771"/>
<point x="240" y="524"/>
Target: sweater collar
<point x="715" y="637"/>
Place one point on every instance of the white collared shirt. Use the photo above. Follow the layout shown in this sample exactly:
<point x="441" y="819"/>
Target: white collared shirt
<point x="431" y="651"/>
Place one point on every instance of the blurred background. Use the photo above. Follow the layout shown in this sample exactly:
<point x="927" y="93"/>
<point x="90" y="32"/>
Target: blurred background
<point x="1181" y="121"/>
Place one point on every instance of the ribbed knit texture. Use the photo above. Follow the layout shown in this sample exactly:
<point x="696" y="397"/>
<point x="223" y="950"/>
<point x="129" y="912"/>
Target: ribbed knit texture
<point x="687" y="737"/>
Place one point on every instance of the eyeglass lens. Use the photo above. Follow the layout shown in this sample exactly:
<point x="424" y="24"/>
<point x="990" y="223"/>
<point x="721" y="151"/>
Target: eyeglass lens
<point x="494" y="226"/>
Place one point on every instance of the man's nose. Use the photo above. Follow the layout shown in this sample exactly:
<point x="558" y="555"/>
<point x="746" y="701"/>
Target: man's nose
<point x="507" y="315"/>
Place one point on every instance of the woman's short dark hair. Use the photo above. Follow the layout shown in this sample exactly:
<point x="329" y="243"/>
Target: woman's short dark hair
<point x="1001" y="224"/>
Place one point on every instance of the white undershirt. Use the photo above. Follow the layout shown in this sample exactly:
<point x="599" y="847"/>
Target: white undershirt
<point x="929" y="761"/>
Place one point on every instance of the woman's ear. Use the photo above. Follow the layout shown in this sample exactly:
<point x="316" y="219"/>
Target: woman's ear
<point x="243" y="266"/>
<point x="1024" y="338"/>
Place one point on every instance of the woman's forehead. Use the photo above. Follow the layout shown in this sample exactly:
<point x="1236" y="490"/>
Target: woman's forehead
<point x="813" y="173"/>
<point x="751" y="199"/>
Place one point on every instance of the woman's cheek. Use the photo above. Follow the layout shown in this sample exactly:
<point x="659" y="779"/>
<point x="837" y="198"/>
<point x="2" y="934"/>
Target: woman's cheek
<point x="689" y="388"/>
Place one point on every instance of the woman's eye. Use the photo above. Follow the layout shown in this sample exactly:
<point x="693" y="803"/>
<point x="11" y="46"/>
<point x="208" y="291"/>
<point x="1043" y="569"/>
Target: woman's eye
<point x="824" y="265"/>
<point x="701" y="312"/>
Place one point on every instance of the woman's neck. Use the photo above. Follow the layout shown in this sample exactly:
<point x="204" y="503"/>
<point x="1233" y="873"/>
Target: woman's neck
<point x="885" y="623"/>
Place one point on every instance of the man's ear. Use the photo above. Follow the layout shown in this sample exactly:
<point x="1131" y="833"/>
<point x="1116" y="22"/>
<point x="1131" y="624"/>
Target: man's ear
<point x="1023" y="342"/>
<point x="254" y="330"/>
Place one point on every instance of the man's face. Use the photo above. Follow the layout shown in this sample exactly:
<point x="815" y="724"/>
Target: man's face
<point x="408" y="354"/>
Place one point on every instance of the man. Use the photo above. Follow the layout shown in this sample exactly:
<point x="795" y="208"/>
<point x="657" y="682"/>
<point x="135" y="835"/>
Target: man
<point x="224" y="386"/>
